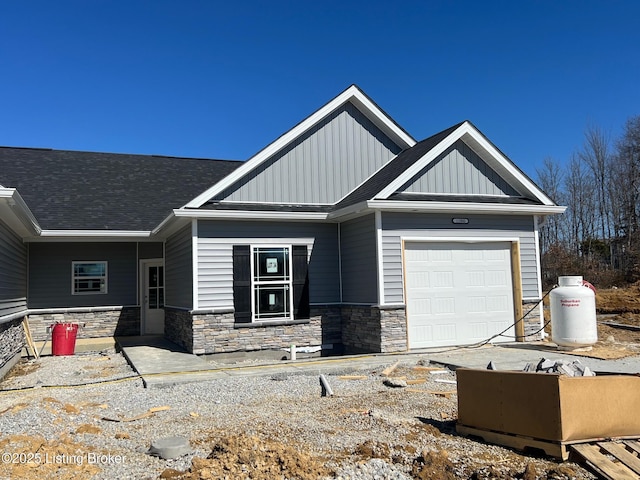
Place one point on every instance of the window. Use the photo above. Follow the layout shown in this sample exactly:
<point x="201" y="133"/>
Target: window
<point x="271" y="283"/>
<point x="88" y="278"/>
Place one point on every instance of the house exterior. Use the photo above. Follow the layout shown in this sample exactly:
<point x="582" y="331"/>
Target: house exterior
<point x="344" y="233"/>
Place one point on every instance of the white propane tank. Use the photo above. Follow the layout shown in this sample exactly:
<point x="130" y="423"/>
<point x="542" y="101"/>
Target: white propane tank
<point x="573" y="313"/>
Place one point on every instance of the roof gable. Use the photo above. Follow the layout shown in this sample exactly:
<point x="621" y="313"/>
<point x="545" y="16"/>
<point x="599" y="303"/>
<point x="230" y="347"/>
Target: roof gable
<point x="353" y="95"/>
<point x="321" y="166"/>
<point x="459" y="171"/>
<point x="488" y="153"/>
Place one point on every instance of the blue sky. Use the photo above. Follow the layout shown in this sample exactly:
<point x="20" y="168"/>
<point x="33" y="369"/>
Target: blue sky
<point x="223" y="79"/>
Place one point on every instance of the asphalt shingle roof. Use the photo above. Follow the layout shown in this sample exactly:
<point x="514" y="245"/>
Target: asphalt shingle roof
<point x="68" y="190"/>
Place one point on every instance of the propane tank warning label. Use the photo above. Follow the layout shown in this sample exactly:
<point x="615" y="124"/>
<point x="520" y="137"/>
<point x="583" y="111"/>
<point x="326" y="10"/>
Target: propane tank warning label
<point x="574" y="302"/>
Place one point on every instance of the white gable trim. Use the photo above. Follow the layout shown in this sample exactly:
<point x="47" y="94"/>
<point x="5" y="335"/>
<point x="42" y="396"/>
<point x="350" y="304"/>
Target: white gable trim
<point x="352" y="94"/>
<point x="463" y="207"/>
<point x="250" y="215"/>
<point x="472" y="137"/>
<point x="16" y="213"/>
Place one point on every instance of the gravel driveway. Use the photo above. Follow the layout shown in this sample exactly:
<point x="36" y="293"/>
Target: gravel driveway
<point x="260" y="427"/>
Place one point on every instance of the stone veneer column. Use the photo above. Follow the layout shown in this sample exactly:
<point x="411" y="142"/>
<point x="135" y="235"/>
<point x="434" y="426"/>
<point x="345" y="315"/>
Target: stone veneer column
<point x="532" y="321"/>
<point x="11" y="342"/>
<point x="178" y="327"/>
<point x="393" y="326"/>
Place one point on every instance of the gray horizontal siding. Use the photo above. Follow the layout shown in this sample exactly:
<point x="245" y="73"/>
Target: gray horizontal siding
<point x="13" y="273"/>
<point x="322" y="166"/>
<point x="215" y="260"/>
<point x="358" y="258"/>
<point x="396" y="226"/>
<point x="461" y="171"/>
<point x="178" y="267"/>
<point x="50" y="274"/>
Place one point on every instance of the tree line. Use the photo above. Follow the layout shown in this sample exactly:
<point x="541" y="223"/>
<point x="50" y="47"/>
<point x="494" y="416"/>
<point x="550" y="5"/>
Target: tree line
<point x="598" y="236"/>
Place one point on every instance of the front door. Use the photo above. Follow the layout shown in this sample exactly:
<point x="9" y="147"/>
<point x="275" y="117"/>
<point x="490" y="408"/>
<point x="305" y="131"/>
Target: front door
<point x="152" y="275"/>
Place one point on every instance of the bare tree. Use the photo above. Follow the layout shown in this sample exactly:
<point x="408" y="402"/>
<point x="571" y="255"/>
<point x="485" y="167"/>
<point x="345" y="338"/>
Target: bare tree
<point x="551" y="179"/>
<point x="626" y="197"/>
<point x="595" y="154"/>
<point x="580" y="195"/>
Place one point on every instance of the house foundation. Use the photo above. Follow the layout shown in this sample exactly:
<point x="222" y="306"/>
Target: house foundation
<point x="94" y="322"/>
<point x="351" y="329"/>
<point x="217" y="332"/>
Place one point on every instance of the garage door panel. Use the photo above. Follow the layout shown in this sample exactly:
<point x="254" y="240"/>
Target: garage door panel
<point x="422" y="305"/>
<point x="477" y="305"/>
<point x="497" y="278"/>
<point x="444" y="333"/>
<point x="442" y="279"/>
<point x="478" y="330"/>
<point x="499" y="303"/>
<point x="437" y="255"/>
<point x="423" y="334"/>
<point x="459" y="292"/>
<point x="444" y="306"/>
<point x="475" y="279"/>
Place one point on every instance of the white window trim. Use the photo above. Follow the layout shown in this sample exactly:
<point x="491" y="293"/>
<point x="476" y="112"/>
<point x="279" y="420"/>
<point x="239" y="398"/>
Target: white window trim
<point x="266" y="282"/>
<point x="82" y="262"/>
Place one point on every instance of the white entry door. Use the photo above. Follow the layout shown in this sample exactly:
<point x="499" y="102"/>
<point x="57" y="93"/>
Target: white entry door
<point x="152" y="275"/>
<point x="457" y="293"/>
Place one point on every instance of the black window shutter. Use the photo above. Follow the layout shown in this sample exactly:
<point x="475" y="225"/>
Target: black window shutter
<point x="300" y="281"/>
<point x="242" y="283"/>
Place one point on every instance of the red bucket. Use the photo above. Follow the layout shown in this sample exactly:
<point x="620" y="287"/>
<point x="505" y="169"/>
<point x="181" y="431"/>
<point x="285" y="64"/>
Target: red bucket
<point x="63" y="338"/>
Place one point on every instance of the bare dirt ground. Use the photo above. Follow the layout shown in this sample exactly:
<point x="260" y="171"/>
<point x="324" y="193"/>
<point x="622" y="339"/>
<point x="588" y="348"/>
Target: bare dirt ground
<point x="284" y="430"/>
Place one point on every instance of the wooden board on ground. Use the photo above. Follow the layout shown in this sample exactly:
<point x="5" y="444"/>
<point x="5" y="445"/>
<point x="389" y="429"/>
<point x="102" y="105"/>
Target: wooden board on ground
<point x="416" y="381"/>
<point x="29" y="339"/>
<point x="389" y="370"/>
<point x="517" y="442"/>
<point x="420" y="368"/>
<point x="615" y="460"/>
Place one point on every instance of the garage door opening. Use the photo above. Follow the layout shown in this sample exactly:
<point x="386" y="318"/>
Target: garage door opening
<point x="457" y="293"/>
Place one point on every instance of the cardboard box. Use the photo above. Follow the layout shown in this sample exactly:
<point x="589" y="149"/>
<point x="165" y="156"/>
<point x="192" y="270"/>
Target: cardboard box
<point x="548" y="406"/>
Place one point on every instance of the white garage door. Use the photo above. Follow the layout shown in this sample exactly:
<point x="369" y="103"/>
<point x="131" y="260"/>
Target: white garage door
<point x="457" y="293"/>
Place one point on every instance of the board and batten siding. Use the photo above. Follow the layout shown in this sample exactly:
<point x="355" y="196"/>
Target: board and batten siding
<point x="358" y="259"/>
<point x="396" y="226"/>
<point x="322" y="166"/>
<point x="178" y="268"/>
<point x="50" y="274"/>
<point x="215" y="257"/>
<point x="13" y="273"/>
<point x="459" y="171"/>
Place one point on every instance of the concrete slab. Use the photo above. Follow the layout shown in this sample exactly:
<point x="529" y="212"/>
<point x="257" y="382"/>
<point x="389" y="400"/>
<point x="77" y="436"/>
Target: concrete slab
<point x="163" y="363"/>
<point x="516" y="356"/>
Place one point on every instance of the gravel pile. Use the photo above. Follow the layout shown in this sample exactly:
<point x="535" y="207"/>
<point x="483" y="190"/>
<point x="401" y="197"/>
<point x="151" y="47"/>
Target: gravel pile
<point x="243" y="427"/>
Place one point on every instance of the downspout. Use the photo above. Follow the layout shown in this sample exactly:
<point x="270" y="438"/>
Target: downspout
<point x="379" y="257"/>
<point x="340" y="260"/>
<point x="194" y="263"/>
<point x="536" y="230"/>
